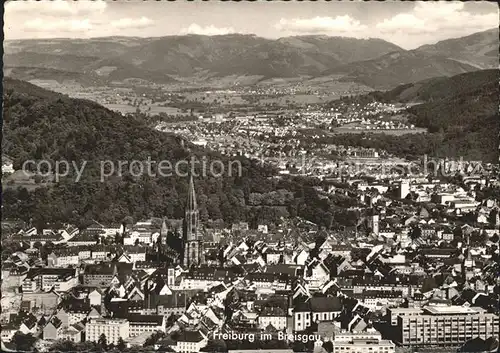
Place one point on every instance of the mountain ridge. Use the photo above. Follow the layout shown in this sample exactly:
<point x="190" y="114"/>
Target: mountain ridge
<point x="397" y="68"/>
<point x="373" y="62"/>
<point x="479" y="49"/>
<point x="185" y="55"/>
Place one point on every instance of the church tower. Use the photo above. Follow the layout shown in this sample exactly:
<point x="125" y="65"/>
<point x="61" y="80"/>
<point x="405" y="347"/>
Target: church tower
<point x="164" y="232"/>
<point x="193" y="247"/>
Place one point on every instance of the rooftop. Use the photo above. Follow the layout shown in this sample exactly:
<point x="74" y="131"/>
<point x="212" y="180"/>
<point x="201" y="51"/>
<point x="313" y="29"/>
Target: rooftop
<point x="107" y="321"/>
<point x="453" y="309"/>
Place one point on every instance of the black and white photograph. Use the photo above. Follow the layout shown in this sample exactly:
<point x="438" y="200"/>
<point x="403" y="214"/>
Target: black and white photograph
<point x="250" y="176"/>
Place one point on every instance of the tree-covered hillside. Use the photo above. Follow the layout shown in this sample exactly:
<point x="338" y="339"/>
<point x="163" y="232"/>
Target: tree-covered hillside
<point x="39" y="124"/>
<point x="460" y="113"/>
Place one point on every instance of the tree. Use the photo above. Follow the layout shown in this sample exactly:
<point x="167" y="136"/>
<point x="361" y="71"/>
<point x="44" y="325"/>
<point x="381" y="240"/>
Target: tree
<point x="102" y="342"/>
<point x="23" y="342"/>
<point x="492" y="217"/>
<point x="215" y="346"/>
<point x="299" y="347"/>
<point x="38" y="178"/>
<point x="128" y="221"/>
<point x="121" y="344"/>
<point x="458" y="233"/>
<point x="416" y="233"/>
<point x="328" y="346"/>
<point x="155" y="337"/>
<point x="171" y="320"/>
<point x="64" y="346"/>
<point x="46" y="249"/>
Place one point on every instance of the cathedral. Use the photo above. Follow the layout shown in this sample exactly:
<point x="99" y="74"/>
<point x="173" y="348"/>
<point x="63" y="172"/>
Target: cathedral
<point x="192" y="243"/>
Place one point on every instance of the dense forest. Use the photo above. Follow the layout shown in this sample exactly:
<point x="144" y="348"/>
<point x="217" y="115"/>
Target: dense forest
<point x="39" y="124"/>
<point x="460" y="113"/>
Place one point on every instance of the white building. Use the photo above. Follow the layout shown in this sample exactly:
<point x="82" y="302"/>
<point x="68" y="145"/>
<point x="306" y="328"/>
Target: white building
<point x="138" y="324"/>
<point x="190" y="342"/>
<point x="7" y="165"/>
<point x="364" y="345"/>
<point x="113" y="329"/>
<point x="63" y="260"/>
<point x="46" y="279"/>
<point x="316" y="309"/>
<point x="404" y="189"/>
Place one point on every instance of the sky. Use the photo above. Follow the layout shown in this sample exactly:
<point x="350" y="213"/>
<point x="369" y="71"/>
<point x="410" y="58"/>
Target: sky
<point x="408" y="24"/>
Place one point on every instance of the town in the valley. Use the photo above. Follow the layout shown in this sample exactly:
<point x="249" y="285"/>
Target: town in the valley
<point x="416" y="271"/>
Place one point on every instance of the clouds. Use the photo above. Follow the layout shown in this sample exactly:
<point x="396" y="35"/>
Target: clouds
<point x="430" y="22"/>
<point x="430" y="17"/>
<point x="124" y="23"/>
<point x="325" y="25"/>
<point x="207" y="31"/>
<point x="56" y="8"/>
<point x="39" y="25"/>
<point x="63" y="18"/>
<point x="426" y="22"/>
<point x="404" y="22"/>
<point x="49" y="19"/>
<point x="82" y="27"/>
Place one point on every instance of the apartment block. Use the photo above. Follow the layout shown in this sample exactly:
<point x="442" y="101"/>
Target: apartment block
<point x="446" y="325"/>
<point x="46" y="279"/>
<point x="113" y="329"/>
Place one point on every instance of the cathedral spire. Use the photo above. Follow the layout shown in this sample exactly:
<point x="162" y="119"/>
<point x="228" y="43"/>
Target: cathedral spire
<point x="191" y="201"/>
<point x="193" y="247"/>
<point x="191" y="214"/>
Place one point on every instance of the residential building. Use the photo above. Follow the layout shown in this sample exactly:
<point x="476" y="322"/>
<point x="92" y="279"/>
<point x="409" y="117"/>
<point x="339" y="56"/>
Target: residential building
<point x="138" y="324"/>
<point x="314" y="310"/>
<point x="363" y="346"/>
<point x="190" y="342"/>
<point x="45" y="279"/>
<point x="52" y="330"/>
<point x="446" y="325"/>
<point x="113" y="329"/>
<point x="274" y="316"/>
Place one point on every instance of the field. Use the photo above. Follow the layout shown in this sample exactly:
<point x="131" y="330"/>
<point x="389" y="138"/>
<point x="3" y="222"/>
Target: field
<point x="222" y="92"/>
<point x="122" y="108"/>
<point x="205" y="79"/>
<point x="211" y="97"/>
<point x="297" y="99"/>
<point x="325" y="85"/>
<point x="396" y="132"/>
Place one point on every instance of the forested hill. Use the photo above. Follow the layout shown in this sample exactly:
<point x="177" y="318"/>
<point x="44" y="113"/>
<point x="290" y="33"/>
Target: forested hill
<point x="444" y="87"/>
<point x="460" y="112"/>
<point x="39" y="124"/>
<point x="468" y="118"/>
